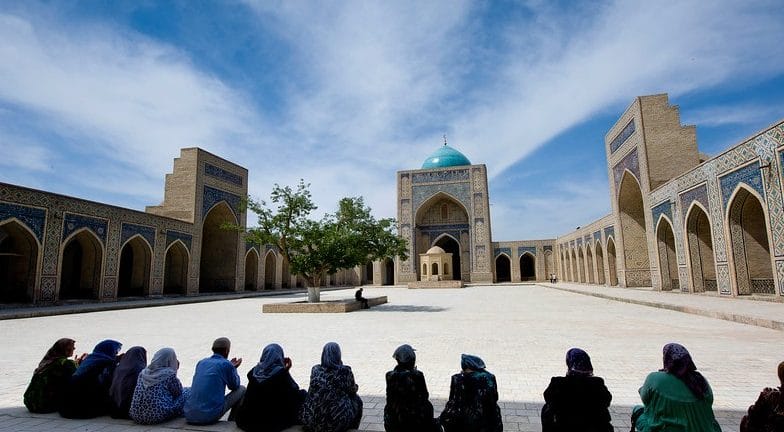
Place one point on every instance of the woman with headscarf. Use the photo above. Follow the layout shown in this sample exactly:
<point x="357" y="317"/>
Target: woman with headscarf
<point x="124" y="380"/>
<point x="50" y="377"/>
<point x="577" y="401"/>
<point x="273" y="399"/>
<point x="408" y="408"/>
<point x="473" y="399"/>
<point x="767" y="414"/>
<point x="676" y="398"/>
<point x="87" y="392"/>
<point x="158" y="395"/>
<point x="332" y="404"/>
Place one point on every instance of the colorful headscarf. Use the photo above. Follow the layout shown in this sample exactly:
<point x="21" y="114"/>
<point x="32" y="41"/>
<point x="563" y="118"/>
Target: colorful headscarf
<point x="105" y="351"/>
<point x="405" y="356"/>
<point x="578" y="363"/>
<point x="60" y="349"/>
<point x="270" y="364"/>
<point x="678" y="362"/>
<point x="331" y="356"/>
<point x="468" y="361"/>
<point x="164" y="363"/>
<point x="126" y="375"/>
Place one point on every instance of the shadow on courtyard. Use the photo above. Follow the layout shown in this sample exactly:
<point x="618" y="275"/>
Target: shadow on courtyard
<point x="406" y="308"/>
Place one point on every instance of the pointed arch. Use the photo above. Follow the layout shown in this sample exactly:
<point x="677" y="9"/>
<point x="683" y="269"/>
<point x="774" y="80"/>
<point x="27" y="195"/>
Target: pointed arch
<point x="219" y="249"/>
<point x="270" y="270"/>
<point x="548" y="264"/>
<point x="580" y="265"/>
<point x="746" y="219"/>
<point x="369" y="273"/>
<point x="81" y="265"/>
<point x="451" y="245"/>
<point x="573" y="266"/>
<point x="612" y="263"/>
<point x="633" y="238"/>
<point x="19" y="262"/>
<point x="527" y="266"/>
<point x="251" y="270"/>
<point x="389" y="271"/>
<point x="699" y="246"/>
<point x="175" y="269"/>
<point x="599" y="263"/>
<point x="668" y="261"/>
<point x="135" y="262"/>
<point x="589" y="276"/>
<point x="503" y="268"/>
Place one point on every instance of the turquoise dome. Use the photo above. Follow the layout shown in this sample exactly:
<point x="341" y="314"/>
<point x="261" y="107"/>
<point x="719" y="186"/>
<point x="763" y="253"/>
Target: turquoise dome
<point x="444" y="157"/>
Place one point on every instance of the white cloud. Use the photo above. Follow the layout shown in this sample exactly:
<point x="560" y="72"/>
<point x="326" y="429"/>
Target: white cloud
<point x="738" y="115"/>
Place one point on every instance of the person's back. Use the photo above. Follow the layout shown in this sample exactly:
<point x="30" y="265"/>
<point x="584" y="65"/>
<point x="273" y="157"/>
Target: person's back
<point x="271" y="405"/>
<point x="671" y="406"/>
<point x="207" y="401"/>
<point x="332" y="403"/>
<point x="767" y="413"/>
<point x="577" y="403"/>
<point x="473" y="404"/>
<point x="407" y="406"/>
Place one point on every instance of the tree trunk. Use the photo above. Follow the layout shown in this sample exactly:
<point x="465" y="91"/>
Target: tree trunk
<point x="314" y="290"/>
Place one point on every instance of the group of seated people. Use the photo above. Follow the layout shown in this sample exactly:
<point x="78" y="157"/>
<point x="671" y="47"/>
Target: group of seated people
<point x="675" y="398"/>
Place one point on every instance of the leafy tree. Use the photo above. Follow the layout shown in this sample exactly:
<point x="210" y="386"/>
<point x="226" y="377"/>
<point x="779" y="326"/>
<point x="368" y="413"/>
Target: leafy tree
<point x="314" y="248"/>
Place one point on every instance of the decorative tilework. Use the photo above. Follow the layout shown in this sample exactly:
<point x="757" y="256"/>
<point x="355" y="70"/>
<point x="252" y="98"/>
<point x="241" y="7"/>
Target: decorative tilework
<point x="664" y="208"/>
<point x="504" y="250"/>
<point x="780" y="275"/>
<point x="723" y="278"/>
<point x="130" y="230"/>
<point x="750" y="175"/>
<point x="699" y="194"/>
<point x="587" y="239"/>
<point x="249" y="246"/>
<point x="48" y="285"/>
<point x="630" y="162"/>
<point x="459" y="191"/>
<point x="579" y="242"/>
<point x="545" y="248"/>
<point x="74" y="222"/>
<point x="597" y="236"/>
<point x="171" y="236"/>
<point x="34" y="218"/>
<point x="222" y="174"/>
<point x="440" y="176"/>
<point x="213" y="196"/>
<point x="621" y="138"/>
<point x="609" y="231"/>
<point x="523" y="249"/>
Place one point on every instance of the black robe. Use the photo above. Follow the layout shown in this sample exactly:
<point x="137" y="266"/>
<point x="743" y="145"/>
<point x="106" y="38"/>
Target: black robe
<point x="408" y="408"/>
<point x="272" y="405"/>
<point x="87" y="395"/>
<point x="576" y="403"/>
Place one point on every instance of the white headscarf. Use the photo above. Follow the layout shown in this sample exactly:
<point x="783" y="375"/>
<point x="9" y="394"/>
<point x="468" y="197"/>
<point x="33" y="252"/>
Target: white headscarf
<point x="163" y="365"/>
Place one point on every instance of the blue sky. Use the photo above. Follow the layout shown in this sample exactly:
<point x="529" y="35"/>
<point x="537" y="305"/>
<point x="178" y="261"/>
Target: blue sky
<point x="97" y="97"/>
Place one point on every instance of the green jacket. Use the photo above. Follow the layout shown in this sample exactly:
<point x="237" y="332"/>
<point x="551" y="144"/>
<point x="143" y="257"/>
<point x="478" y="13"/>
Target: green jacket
<point x="671" y="407"/>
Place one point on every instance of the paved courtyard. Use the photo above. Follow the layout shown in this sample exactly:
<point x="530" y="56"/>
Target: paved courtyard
<point x="521" y="331"/>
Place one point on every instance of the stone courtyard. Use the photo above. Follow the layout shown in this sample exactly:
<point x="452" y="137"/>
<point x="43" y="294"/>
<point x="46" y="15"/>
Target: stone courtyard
<point x="521" y="331"/>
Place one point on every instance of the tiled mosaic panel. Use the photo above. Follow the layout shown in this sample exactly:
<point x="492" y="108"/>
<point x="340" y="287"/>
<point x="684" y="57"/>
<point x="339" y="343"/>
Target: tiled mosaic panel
<point x="523" y="249"/>
<point x="171" y="236"/>
<point x="130" y="230"/>
<point x="48" y="287"/>
<point x="609" y="232"/>
<point x="699" y="194"/>
<point x="763" y="286"/>
<point x="597" y="236"/>
<point x="683" y="276"/>
<point x="459" y="191"/>
<point x="33" y="218"/>
<point x="222" y="174"/>
<point x="547" y="248"/>
<point x="75" y="222"/>
<point x="213" y="196"/>
<point x="503" y="250"/>
<point x="780" y="275"/>
<point x="750" y="175"/>
<point x="440" y="176"/>
<point x="622" y="136"/>
<point x="723" y="278"/>
<point x="579" y="242"/>
<point x="630" y="162"/>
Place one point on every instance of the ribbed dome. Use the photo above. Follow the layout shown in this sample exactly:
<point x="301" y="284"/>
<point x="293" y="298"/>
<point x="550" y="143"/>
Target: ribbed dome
<point x="444" y="157"/>
<point x="435" y="250"/>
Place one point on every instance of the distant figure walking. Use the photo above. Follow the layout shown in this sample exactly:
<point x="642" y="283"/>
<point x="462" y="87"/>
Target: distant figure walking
<point x="358" y="297"/>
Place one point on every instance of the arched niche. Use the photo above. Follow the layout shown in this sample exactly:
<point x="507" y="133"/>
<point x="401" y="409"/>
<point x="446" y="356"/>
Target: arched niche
<point x="527" y="267"/>
<point x="589" y="277"/>
<point x="270" y="269"/>
<point x="612" y="263"/>
<point x="175" y="269"/>
<point x="668" y="261"/>
<point x="135" y="261"/>
<point x="251" y="270"/>
<point x="503" y="268"/>
<point x="699" y="240"/>
<point x="218" y="267"/>
<point x="18" y="262"/>
<point x="631" y="212"/>
<point x="81" y="263"/>
<point x="450" y="245"/>
<point x="749" y="243"/>
<point x="599" y="264"/>
<point x="439" y="210"/>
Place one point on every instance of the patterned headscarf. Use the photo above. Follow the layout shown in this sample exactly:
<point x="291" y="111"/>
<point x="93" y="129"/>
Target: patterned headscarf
<point x="164" y="363"/>
<point x="61" y="348"/>
<point x="270" y="364"/>
<point x="678" y="362"/>
<point x="405" y="356"/>
<point x="331" y="356"/>
<point x="578" y="363"/>
<point x="468" y="361"/>
<point x="105" y="351"/>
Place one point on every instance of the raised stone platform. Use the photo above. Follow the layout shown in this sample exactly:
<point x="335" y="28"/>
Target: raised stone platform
<point x="436" y="284"/>
<point x="334" y="306"/>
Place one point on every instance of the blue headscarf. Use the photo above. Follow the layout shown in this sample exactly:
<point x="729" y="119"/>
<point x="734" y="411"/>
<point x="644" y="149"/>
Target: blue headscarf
<point x="468" y="361"/>
<point x="105" y="351"/>
<point x="331" y="356"/>
<point x="270" y="364"/>
<point x="578" y="363"/>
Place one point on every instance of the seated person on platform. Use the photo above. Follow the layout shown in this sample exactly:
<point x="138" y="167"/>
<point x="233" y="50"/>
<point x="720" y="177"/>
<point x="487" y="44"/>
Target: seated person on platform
<point x="676" y="398"/>
<point x="207" y="401"/>
<point x="158" y="395"/>
<point x="359" y="298"/>
<point x="332" y="404"/>
<point x="87" y="393"/>
<point x="473" y="399"/>
<point x="50" y="377"/>
<point x="577" y="401"/>
<point x="767" y="414"/>
<point x="124" y="380"/>
<point x="273" y="399"/>
<point x="408" y="408"/>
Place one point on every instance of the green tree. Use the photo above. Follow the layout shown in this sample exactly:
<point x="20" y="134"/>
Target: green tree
<point x="314" y="248"/>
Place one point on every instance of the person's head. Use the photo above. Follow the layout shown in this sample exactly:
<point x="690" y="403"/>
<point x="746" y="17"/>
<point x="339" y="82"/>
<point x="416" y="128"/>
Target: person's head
<point x="578" y="363"/>
<point x="677" y="360"/>
<point x="405" y="356"/>
<point x="781" y="373"/>
<point x="222" y="346"/>
<point x="272" y="353"/>
<point x="164" y="358"/>
<point x="68" y="346"/>
<point x="108" y="348"/>
<point x="471" y="363"/>
<point x="331" y="357"/>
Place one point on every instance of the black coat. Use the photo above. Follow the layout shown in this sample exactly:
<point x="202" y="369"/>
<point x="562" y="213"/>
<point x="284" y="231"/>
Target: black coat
<point x="576" y="403"/>
<point x="87" y="395"/>
<point x="272" y="405"/>
<point x="408" y="408"/>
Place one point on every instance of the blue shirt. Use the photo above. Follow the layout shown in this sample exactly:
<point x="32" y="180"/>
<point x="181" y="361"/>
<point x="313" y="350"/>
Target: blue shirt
<point x="212" y="376"/>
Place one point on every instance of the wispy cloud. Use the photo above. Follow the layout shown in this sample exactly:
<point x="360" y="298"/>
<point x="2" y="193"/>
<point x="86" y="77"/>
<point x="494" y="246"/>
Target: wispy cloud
<point x="733" y="115"/>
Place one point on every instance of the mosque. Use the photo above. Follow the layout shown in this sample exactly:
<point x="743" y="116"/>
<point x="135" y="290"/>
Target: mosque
<point x="680" y="221"/>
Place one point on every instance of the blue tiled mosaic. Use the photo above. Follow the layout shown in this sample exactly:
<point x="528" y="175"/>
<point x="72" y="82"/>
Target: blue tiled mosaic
<point x="597" y="236"/>
<point x="699" y="194"/>
<point x="587" y="239"/>
<point x="502" y="250"/>
<point x="750" y="175"/>
<point x="129" y="230"/>
<point x="664" y="208"/>
<point x="523" y="249"/>
<point x="545" y="248"/>
<point x="213" y="196"/>
<point x="453" y="230"/>
<point x="440" y="176"/>
<point x="34" y="218"/>
<point x="171" y="236"/>
<point x="579" y="242"/>
<point x="222" y="174"/>
<point x="249" y="246"/>
<point x="459" y="191"/>
<point x="621" y="138"/>
<point x="75" y="222"/>
<point x="630" y="162"/>
<point x="609" y="231"/>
